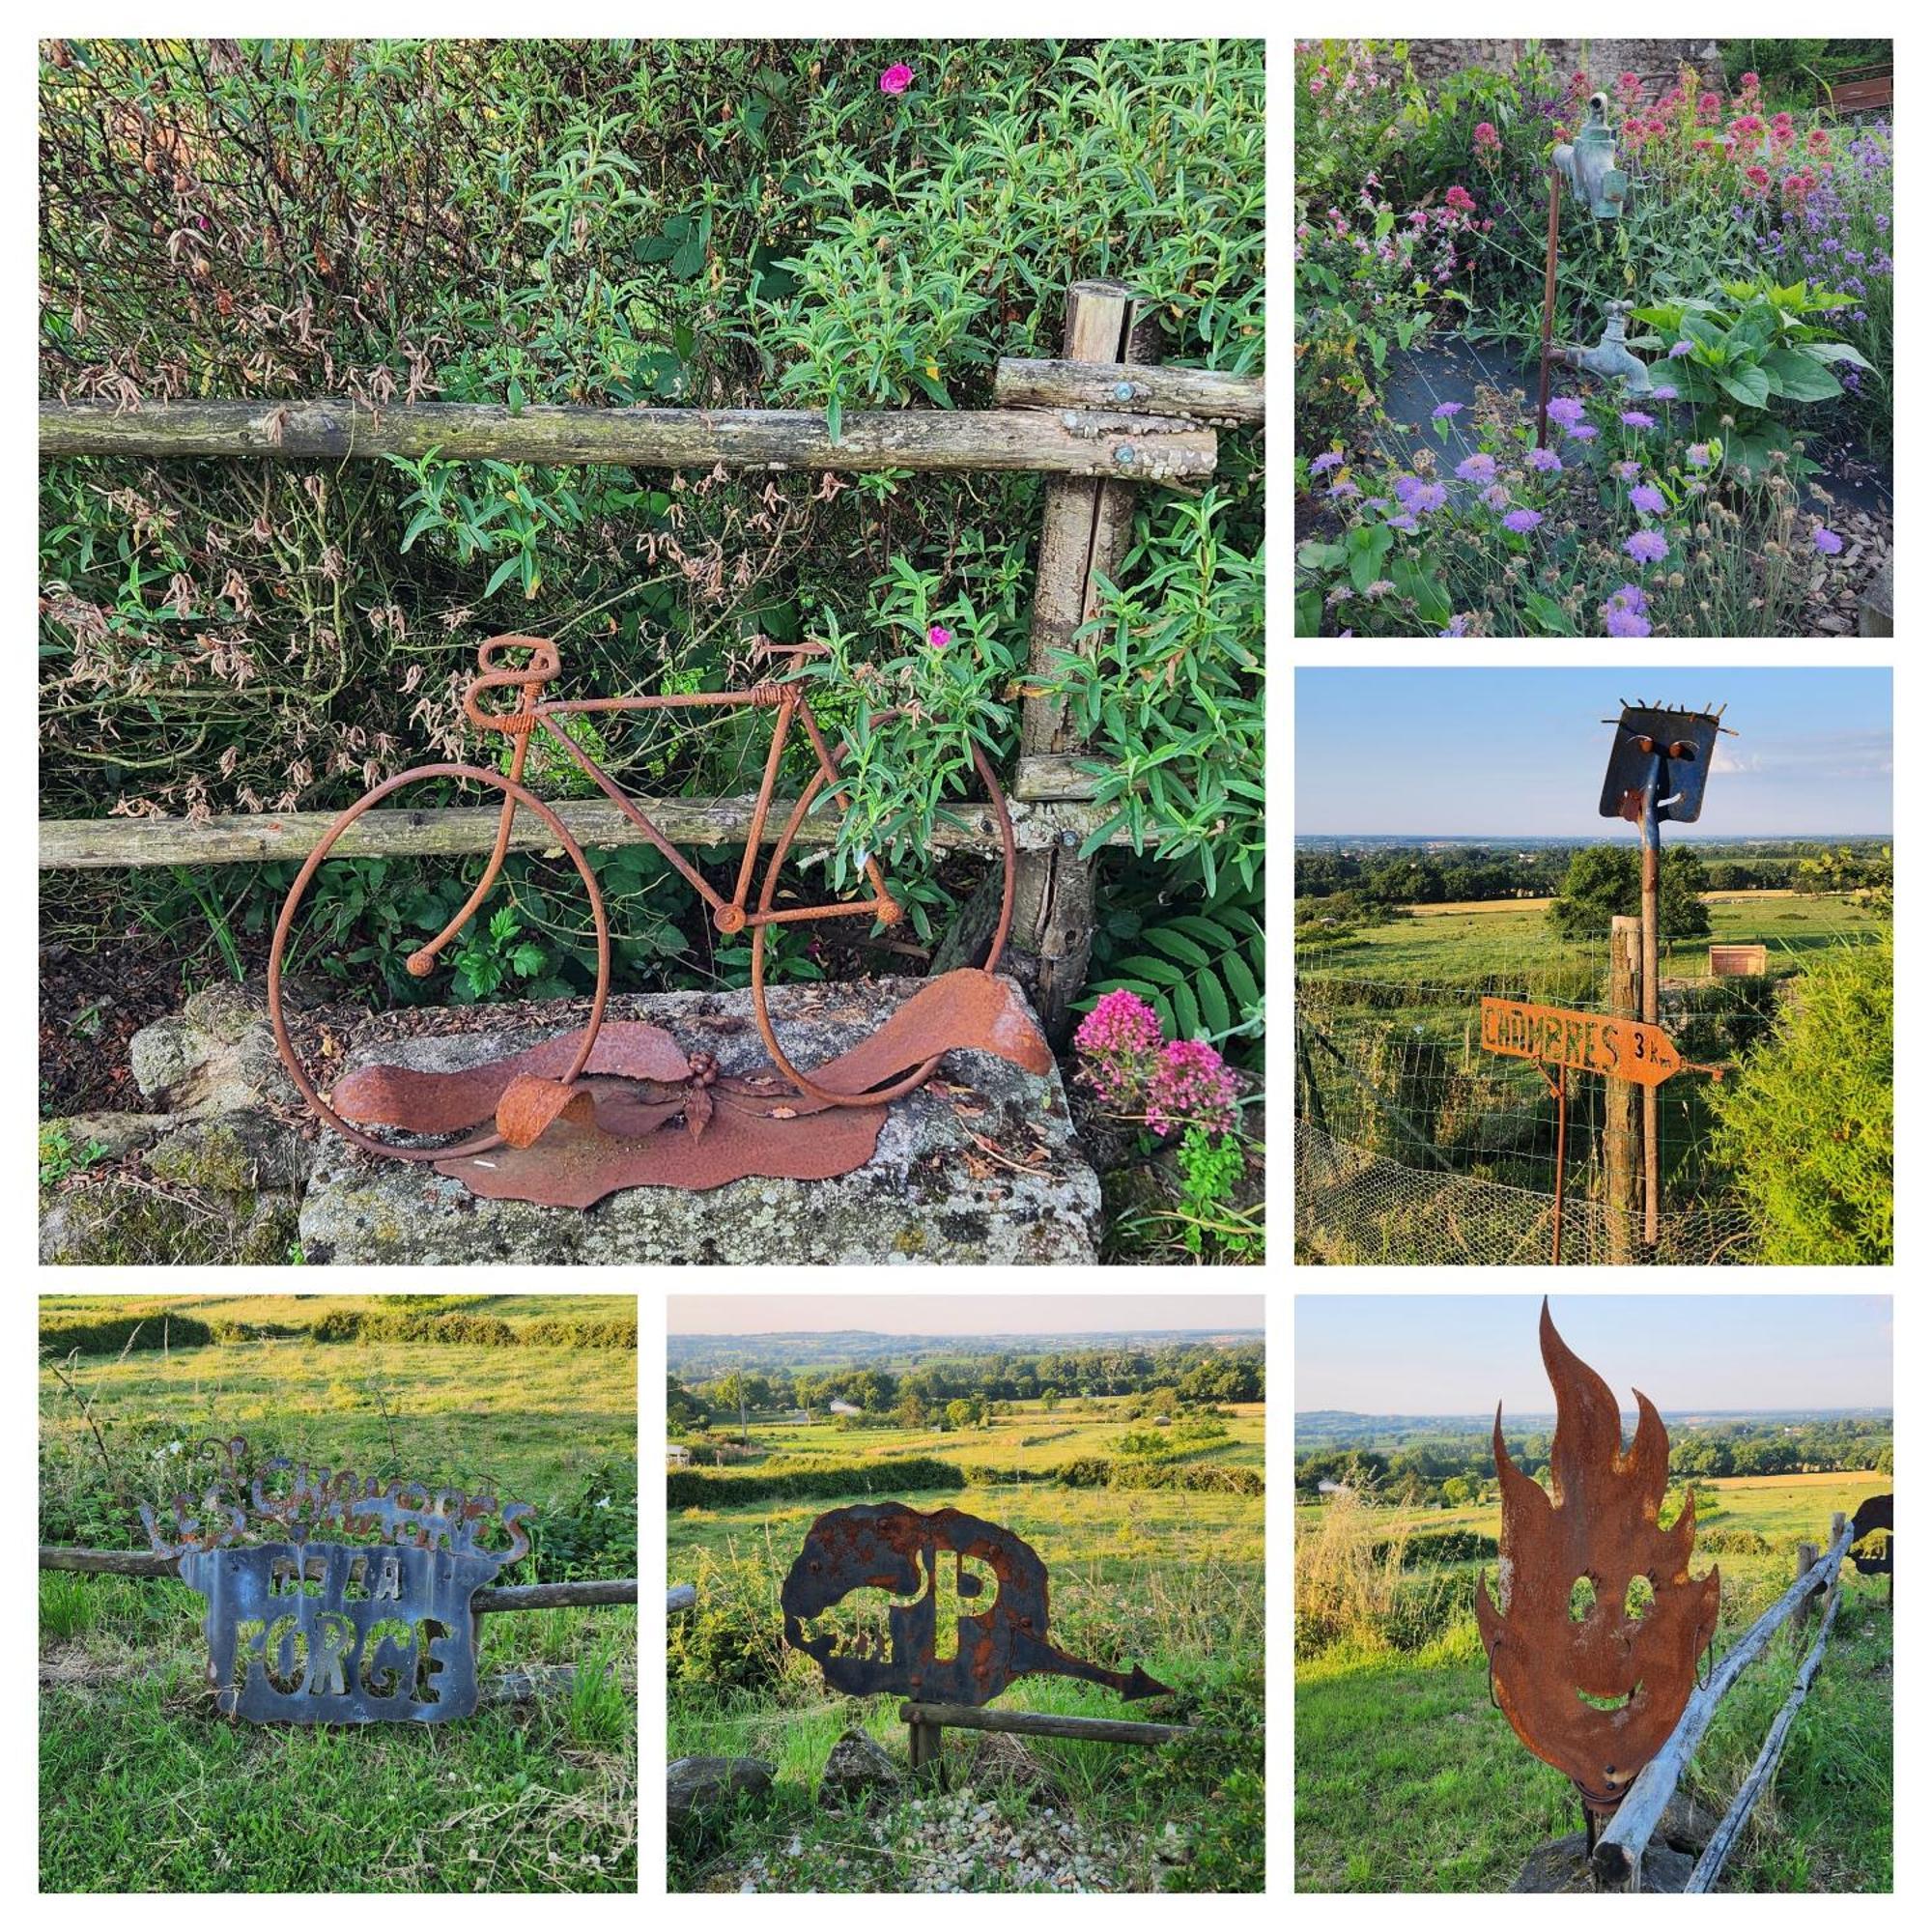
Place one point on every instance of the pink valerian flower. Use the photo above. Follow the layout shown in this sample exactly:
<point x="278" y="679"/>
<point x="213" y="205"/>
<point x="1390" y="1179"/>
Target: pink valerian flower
<point x="1460" y="198"/>
<point x="1488" y="143"/>
<point x="1119" y="1043"/>
<point x="1818" y="141"/>
<point x="939" y="637"/>
<point x="1757" y="176"/>
<point x="1747" y="83"/>
<point x="1191" y="1086"/>
<point x="1707" y="103"/>
<point x="896" y="79"/>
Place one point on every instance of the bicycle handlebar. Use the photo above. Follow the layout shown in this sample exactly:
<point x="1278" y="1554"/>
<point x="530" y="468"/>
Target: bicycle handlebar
<point x="544" y="664"/>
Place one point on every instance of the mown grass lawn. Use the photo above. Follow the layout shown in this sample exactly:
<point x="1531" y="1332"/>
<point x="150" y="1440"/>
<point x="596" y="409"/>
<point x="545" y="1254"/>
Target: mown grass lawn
<point x="143" y="1789"/>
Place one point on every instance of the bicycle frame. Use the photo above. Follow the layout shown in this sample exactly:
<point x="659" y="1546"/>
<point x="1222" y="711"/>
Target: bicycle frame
<point x="730" y="915"/>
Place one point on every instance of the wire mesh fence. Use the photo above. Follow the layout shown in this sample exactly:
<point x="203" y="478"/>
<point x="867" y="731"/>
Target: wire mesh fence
<point x="1416" y="1144"/>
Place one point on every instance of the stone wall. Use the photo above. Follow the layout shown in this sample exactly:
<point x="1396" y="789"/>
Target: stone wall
<point x="1654" y="62"/>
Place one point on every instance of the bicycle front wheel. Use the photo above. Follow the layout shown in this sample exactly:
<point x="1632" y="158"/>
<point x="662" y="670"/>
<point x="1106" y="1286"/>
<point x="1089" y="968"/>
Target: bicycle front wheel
<point x="515" y="796"/>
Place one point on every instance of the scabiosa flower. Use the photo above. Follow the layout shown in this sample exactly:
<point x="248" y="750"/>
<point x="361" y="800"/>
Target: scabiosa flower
<point x="896" y="79"/>
<point x="1380" y="587"/>
<point x="1522" y="522"/>
<point x="1679" y="348"/>
<point x="1479" y="468"/>
<point x="1191" y="1086"/>
<point x="1344" y="488"/>
<point x="939" y="637"/>
<point x="1327" y="460"/>
<point x="1459" y="627"/>
<point x="1443" y="411"/>
<point x="1645" y="497"/>
<point x="1580" y="432"/>
<point x="1698" y="455"/>
<point x="1119" y="1043"/>
<point x="1624" y="613"/>
<point x="1627" y="472"/>
<point x="1545" y="460"/>
<point x="1636" y="420"/>
<point x="1406" y="489"/>
<point x="1566" y="410"/>
<point x="1664" y="392"/>
<point x="1828" y="542"/>
<point x="1405" y="523"/>
<point x="1430" y="497"/>
<point x="1647" y="547"/>
<point x="1497" y="497"/>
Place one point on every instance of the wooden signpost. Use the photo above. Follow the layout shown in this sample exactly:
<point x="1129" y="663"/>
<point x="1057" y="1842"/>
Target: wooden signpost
<point x="1604" y="1043"/>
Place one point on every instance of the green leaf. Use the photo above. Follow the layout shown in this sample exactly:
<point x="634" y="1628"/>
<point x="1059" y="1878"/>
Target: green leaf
<point x="1748" y="383"/>
<point x="835" y="418"/>
<point x="1834" y="352"/>
<point x="1431" y="599"/>
<point x="1321" y="556"/>
<point x="527" y="960"/>
<point x="1551" y="616"/>
<point x="1186" y="1014"/>
<point x="1240" y="982"/>
<point x="1163" y="972"/>
<point x="1213" y="1002"/>
<point x="1800" y="378"/>
<point x="1175" y="944"/>
<point x="503" y="572"/>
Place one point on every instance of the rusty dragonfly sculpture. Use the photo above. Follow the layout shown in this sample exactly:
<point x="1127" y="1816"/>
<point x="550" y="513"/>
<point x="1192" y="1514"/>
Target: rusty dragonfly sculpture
<point x="586" y="1111"/>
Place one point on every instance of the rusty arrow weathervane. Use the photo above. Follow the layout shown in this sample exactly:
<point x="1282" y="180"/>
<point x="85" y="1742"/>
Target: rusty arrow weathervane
<point x="995" y="1582"/>
<point x="1593" y="1681"/>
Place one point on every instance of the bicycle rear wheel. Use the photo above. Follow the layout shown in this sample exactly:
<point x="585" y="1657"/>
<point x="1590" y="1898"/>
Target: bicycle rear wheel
<point x="994" y="817"/>
<point x="515" y="795"/>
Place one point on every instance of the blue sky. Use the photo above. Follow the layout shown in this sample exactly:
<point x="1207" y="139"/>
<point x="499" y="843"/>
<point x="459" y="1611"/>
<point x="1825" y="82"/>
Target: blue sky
<point x="1487" y="750"/>
<point x="958" y="1313"/>
<point x="1458" y="1354"/>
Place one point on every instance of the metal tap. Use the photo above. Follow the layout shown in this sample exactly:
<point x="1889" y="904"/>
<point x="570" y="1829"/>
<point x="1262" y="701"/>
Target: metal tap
<point x="1610" y="358"/>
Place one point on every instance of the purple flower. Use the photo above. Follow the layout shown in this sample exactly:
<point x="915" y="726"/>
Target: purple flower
<point x="1443" y="411"/>
<point x="1628" y="597"/>
<point x="1647" y="547"/>
<point x="1645" y="497"/>
<point x="1626" y="624"/>
<point x="1459" y="627"/>
<point x="1628" y="472"/>
<point x="1680" y="349"/>
<point x="1698" y="455"/>
<point x="1344" y="489"/>
<point x="1828" y="541"/>
<point x="1545" y="460"/>
<point x="1405" y="523"/>
<point x="1497" y="497"/>
<point x="1406" y="489"/>
<point x="1566" y="410"/>
<point x="1430" y="497"/>
<point x="1477" y="469"/>
<point x="1581" y="432"/>
<point x="1663" y="392"/>
<point x="1522" y="522"/>
<point x="1636" y="420"/>
<point x="1327" y="460"/>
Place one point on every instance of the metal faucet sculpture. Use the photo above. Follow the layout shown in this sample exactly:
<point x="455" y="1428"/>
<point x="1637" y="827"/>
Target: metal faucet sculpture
<point x="302" y="1630"/>
<point x="919" y="1559"/>
<point x="1588" y="165"/>
<point x="1594" y="1648"/>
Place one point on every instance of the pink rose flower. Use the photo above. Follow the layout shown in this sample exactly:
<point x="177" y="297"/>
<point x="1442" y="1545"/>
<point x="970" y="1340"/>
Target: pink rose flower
<point x="896" y="79"/>
<point x="939" y="637"/>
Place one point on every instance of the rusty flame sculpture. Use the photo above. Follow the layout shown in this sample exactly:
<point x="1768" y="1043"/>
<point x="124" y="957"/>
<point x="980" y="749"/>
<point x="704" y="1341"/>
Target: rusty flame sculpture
<point x="1594" y="1689"/>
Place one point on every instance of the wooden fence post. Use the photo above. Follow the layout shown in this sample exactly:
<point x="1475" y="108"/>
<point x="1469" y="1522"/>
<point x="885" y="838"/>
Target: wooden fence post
<point x="1623" y="1117"/>
<point x="1084" y="531"/>
<point x="1801" y="1619"/>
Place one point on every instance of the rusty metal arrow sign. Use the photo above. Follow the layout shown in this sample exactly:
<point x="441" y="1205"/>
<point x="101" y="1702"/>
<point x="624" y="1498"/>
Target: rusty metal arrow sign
<point x="1620" y="1049"/>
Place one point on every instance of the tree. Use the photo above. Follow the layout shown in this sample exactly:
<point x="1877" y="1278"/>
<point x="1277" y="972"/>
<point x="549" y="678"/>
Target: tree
<point x="912" y="1412"/>
<point x="1608" y="880"/>
<point x="1805" y="1127"/>
<point x="1455" y="1492"/>
<point x="682" y="1408"/>
<point x="960" y="1413"/>
<point x="1049" y="1397"/>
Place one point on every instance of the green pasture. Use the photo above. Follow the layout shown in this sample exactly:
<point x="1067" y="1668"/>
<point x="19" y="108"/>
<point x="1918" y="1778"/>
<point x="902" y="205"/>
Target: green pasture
<point x="1384" y="1733"/>
<point x="1451" y="947"/>
<point x="1169" y="1580"/>
<point x="143" y="1790"/>
<point x="303" y="1311"/>
<point x="1034" y="1439"/>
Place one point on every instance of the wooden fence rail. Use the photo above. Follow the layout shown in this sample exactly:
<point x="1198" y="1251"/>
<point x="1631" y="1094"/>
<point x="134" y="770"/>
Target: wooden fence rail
<point x="582" y="1595"/>
<point x="1619" y="1852"/>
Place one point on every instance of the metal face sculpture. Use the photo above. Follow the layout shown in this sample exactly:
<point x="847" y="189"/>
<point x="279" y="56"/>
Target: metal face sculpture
<point x="586" y="1113"/>
<point x="954" y="1633"/>
<point x="304" y="1631"/>
<point x="1874" y="1513"/>
<point x="1594" y="1648"/>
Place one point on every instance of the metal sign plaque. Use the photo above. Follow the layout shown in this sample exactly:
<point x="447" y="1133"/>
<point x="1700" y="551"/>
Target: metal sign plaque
<point x="990" y="1585"/>
<point x="1683" y="739"/>
<point x="305" y="1631"/>
<point x="1620" y="1049"/>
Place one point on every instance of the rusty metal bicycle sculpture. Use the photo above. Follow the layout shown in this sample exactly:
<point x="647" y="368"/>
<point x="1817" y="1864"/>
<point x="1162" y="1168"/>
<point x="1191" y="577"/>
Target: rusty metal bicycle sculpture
<point x="599" y="1099"/>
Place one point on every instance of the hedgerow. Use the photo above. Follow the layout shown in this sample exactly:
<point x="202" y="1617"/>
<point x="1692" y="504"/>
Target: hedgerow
<point x="109" y="1335"/>
<point x="703" y="1489"/>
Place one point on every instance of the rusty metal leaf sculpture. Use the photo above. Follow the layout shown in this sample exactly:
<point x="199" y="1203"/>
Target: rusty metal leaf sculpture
<point x="922" y="1560"/>
<point x="1589" y="1686"/>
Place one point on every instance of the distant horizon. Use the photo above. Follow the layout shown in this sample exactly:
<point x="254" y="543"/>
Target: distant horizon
<point x="959" y="1317"/>
<point x="1573" y="837"/>
<point x="1375" y="745"/>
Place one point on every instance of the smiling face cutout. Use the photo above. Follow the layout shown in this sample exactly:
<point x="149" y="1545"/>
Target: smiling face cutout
<point x="1595" y="1649"/>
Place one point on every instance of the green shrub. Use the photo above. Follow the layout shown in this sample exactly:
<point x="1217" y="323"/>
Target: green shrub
<point x="701" y="1489"/>
<point x="110" y="1334"/>
<point x="1806" y="1125"/>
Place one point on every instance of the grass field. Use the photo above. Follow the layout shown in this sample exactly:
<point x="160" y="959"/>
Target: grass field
<point x="302" y="1311"/>
<point x="1452" y="946"/>
<point x="143" y="1789"/>
<point x="1169" y="1579"/>
<point x="1383" y="1732"/>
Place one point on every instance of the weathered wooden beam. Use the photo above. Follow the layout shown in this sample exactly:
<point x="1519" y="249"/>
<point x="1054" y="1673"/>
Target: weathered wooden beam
<point x="1620" y="1850"/>
<point x="1055" y="776"/>
<point x="1092" y="442"/>
<point x="88" y="844"/>
<point x="1203" y="395"/>
<point x="1709" y="1865"/>
<point x="680" y="1597"/>
<point x="1039" y="1724"/>
<point x="581" y="1595"/>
